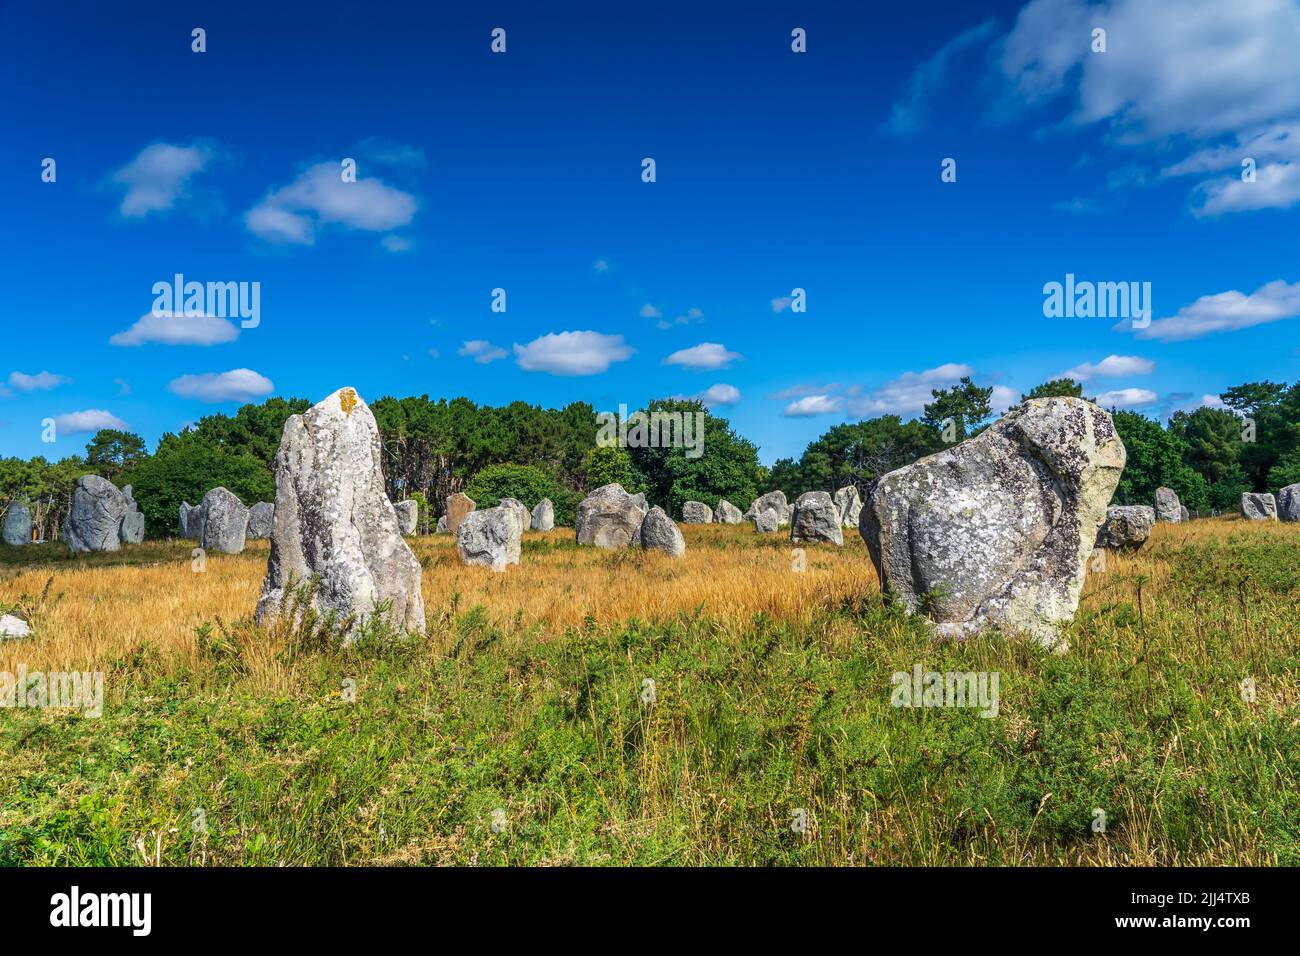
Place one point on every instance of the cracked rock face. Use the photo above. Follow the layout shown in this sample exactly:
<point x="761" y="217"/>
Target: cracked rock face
<point x="696" y="512"/>
<point x="18" y="524"/>
<point x="132" y="527"/>
<point x="490" y="537"/>
<point x="766" y="521"/>
<point x="1126" y="526"/>
<point x="260" y="517"/>
<point x="774" y="500"/>
<point x="333" y="518"/>
<point x="1168" y="507"/>
<point x="542" y="517"/>
<point x="1258" y="507"/>
<point x="408" y="514"/>
<point x="94" y="521"/>
<point x="610" y="518"/>
<point x="997" y="531"/>
<point x="659" y="533"/>
<point x="849" y="504"/>
<point x="1288" y="503"/>
<point x="458" y="506"/>
<point x="816" y="519"/>
<point x="225" y="522"/>
<point x="727" y="513"/>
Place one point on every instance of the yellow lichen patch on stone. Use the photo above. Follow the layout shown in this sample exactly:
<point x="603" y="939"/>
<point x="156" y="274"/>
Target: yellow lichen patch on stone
<point x="347" y="400"/>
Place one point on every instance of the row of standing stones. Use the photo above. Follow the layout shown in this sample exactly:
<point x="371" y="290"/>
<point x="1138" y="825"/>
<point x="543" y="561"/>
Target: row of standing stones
<point x="994" y="532"/>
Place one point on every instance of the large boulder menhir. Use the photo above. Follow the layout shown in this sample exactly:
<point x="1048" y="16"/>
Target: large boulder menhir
<point x="696" y="512"/>
<point x="333" y="519"/>
<point x="610" y="518"/>
<point x="659" y="533"/>
<point x="542" y="517"/>
<point x="191" y="521"/>
<point x="225" y="522"/>
<point x="18" y="524"/>
<point x="408" y="515"/>
<point x="94" y="520"/>
<point x="1168" y="507"/>
<point x="441" y="527"/>
<point x="997" y="531"/>
<point x="774" y="500"/>
<point x="1126" y="526"/>
<point x="132" y="527"/>
<point x="849" y="504"/>
<point x="490" y="537"/>
<point x="767" y="521"/>
<point x="816" y="519"/>
<point x="458" y="506"/>
<point x="1258" y="507"/>
<point x="521" y="509"/>
<point x="260" y="517"/>
<point x="1288" y="503"/>
<point x="727" y="513"/>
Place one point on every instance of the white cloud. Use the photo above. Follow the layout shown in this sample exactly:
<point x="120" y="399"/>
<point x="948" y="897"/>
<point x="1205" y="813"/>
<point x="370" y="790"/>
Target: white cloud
<point x="796" y="391"/>
<point x="1225" y="312"/>
<point x="706" y="355"/>
<point x="811" y="405"/>
<point x="927" y="79"/>
<point x="481" y="351"/>
<point x="318" y="197"/>
<point x="170" y="329"/>
<point x="90" y="420"/>
<point x="720" y="394"/>
<point x="600" y="265"/>
<point x="1112" y="366"/>
<point x="1127" y="398"/>
<point x="908" y="394"/>
<point x="648" y="311"/>
<point x="237" y="385"/>
<point x="1003" y="398"/>
<point x="158" y="177"/>
<point x="41" y="381"/>
<point x="572" y="353"/>
<point x="396" y="243"/>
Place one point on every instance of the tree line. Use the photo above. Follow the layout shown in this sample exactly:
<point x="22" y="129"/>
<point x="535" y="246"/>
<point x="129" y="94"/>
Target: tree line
<point x="434" y="448"/>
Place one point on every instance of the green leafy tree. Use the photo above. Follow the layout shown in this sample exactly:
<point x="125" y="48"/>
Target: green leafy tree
<point x="609" y="464"/>
<point x="966" y="404"/>
<point x="111" y="452"/>
<point x="1155" y="458"/>
<point x="1056" y="388"/>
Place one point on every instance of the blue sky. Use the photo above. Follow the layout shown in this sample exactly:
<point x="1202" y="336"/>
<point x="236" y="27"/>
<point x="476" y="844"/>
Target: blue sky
<point x="775" y="170"/>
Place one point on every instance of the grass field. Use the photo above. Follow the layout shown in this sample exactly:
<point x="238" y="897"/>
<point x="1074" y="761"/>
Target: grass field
<point x="515" y="731"/>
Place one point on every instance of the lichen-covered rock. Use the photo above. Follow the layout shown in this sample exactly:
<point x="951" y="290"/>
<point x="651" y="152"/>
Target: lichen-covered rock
<point x="767" y="521"/>
<point x="727" y="513"/>
<point x="225" y="522"/>
<point x="18" y="524"/>
<point x="333" y="519"/>
<point x="659" y="533"/>
<point x="260" y="519"/>
<point x="441" y="527"/>
<point x="997" y="531"/>
<point x="1258" y="506"/>
<point x="191" y="521"/>
<point x="1168" y="507"/>
<point x="542" y="517"/>
<point x="1126" y="526"/>
<point x="816" y="519"/>
<point x="521" y="509"/>
<point x="849" y="505"/>
<point x="610" y="518"/>
<point x="696" y="512"/>
<point x="1184" y="514"/>
<point x="490" y="537"/>
<point x="774" y="500"/>
<point x="458" y="506"/>
<point x="94" y="520"/>
<point x="132" y="527"/>
<point x="1288" y="503"/>
<point x="408" y="515"/>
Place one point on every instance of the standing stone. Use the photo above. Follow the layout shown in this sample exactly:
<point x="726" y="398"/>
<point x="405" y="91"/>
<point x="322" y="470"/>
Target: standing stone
<point x="458" y="506"/>
<point x="491" y="537"/>
<point x="225" y="522"/>
<point x="849" y="505"/>
<point x="132" y="527"/>
<point x="774" y="500"/>
<point x="659" y="533"/>
<point x="1288" y="503"/>
<point x="727" y="513"/>
<point x="1126" y="526"/>
<point x="696" y="512"/>
<point x="767" y="521"/>
<point x="997" y="531"/>
<point x="18" y="524"/>
<point x="543" y="516"/>
<point x="816" y="519"/>
<point x="94" y="521"/>
<point x="1258" y="507"/>
<point x="333" y="518"/>
<point x="408" y="515"/>
<point x="525" y="516"/>
<point x="1168" y="507"/>
<point x="441" y="526"/>
<point x="1184" y="514"/>
<point x="260" y="518"/>
<point x="191" y="525"/>
<point x="12" y="626"/>
<point x="610" y="518"/>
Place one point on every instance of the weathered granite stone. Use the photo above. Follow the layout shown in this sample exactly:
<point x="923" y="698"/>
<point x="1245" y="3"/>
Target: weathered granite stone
<point x="132" y="527"/>
<point x="542" y="517"/>
<point x="442" y="526"/>
<point x="849" y="505"/>
<point x="12" y="626"/>
<point x="490" y="537"/>
<point x="408" y="515"/>
<point x="1126" y="526"/>
<point x="525" y="516"/>
<point x="225" y="522"/>
<point x="458" y="506"/>
<point x="191" y="521"/>
<point x="260" y="520"/>
<point x="94" y="520"/>
<point x="18" y="524"/>
<point x="1168" y="507"/>
<point x="1288" y="503"/>
<point x="696" y="512"/>
<point x="816" y="519"/>
<point x="774" y="500"/>
<point x="1258" y="507"/>
<point x="660" y="533"/>
<point x="610" y="518"/>
<point x="767" y="521"/>
<point x="727" y="513"/>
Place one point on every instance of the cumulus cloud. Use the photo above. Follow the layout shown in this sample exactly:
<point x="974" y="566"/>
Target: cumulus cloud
<point x="159" y="177"/>
<point x="706" y="355"/>
<point x="396" y="243"/>
<point x="40" y="382"/>
<point x="168" y="328"/>
<point x="1225" y="312"/>
<point x="811" y="405"/>
<point x="481" y="351"/>
<point x="648" y="311"/>
<point x="909" y="111"/>
<point x="572" y="353"/>
<point x="908" y="394"/>
<point x="1112" y="366"/>
<point x="720" y="394"/>
<point x="296" y="213"/>
<point x="237" y="385"/>
<point x="1127" y="398"/>
<point x="797" y="391"/>
<point x="90" y="420"/>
